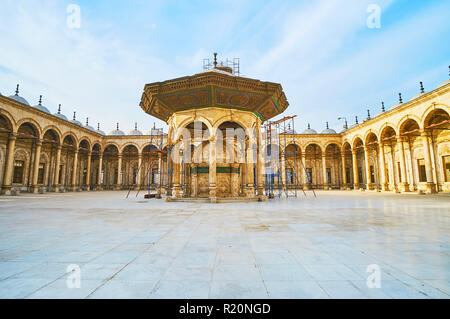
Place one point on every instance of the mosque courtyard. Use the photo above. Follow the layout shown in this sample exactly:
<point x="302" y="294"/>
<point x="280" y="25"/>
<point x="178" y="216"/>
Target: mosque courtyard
<point x="303" y="247"/>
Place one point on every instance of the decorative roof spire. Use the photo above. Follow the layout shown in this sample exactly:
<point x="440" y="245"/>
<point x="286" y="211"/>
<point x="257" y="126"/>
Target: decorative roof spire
<point x="421" y="88"/>
<point x="215" y="60"/>
<point x="400" y="98"/>
<point x="74" y="113"/>
<point x="17" y="89"/>
<point x="368" y="114"/>
<point x="98" y="126"/>
<point x="40" y="100"/>
<point x="327" y="125"/>
<point x="309" y="126"/>
<point x="356" y="119"/>
<point x="382" y="107"/>
<point x="87" y="121"/>
<point x="59" y="109"/>
<point x="135" y="126"/>
<point x="117" y="126"/>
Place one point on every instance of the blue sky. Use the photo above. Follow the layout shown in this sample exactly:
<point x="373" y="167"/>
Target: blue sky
<point x="329" y="62"/>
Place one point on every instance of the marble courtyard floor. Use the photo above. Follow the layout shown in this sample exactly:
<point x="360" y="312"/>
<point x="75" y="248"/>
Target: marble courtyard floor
<point x="290" y="248"/>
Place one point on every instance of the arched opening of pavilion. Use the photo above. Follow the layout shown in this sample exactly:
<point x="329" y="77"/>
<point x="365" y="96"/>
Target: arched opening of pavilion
<point x="313" y="166"/>
<point x="68" y="162"/>
<point x="332" y="167"/>
<point x="388" y="139"/>
<point x="27" y="157"/>
<point x="50" y="146"/>
<point x="111" y="167"/>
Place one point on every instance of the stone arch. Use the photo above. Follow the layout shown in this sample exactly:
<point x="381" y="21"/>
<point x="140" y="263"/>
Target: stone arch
<point x="432" y="108"/>
<point x="384" y="127"/>
<point x="33" y="124"/>
<point x="107" y="145"/>
<point x="332" y="142"/>
<point x="291" y="147"/>
<point x="370" y="137"/>
<point x="72" y="135"/>
<point x="405" y="119"/>
<point x="87" y="139"/>
<point x="190" y="120"/>
<point x="408" y="124"/>
<point x="356" y="139"/>
<point x="309" y="144"/>
<point x="440" y="109"/>
<point x="128" y="144"/>
<point x="387" y="131"/>
<point x="9" y="120"/>
<point x="96" y="146"/>
<point x="86" y="143"/>
<point x="53" y="128"/>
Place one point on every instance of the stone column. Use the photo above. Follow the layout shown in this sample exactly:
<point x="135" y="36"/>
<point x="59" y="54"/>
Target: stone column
<point x="355" y="170"/>
<point x="344" y="173"/>
<point x="88" y="171"/>
<point x="139" y="172"/>
<point x="99" y="177"/>
<point x="369" y="184"/>
<point x="119" y="172"/>
<point x="324" y="171"/>
<point x="37" y="158"/>
<point x="259" y="165"/>
<point x="404" y="186"/>
<point x="384" y="173"/>
<point x="159" y="188"/>
<point x="194" y="180"/>
<point x="430" y="185"/>
<point x="283" y="170"/>
<point x="74" y="171"/>
<point x="176" y="180"/>
<point x="212" y="170"/>
<point x="9" y="167"/>
<point x="305" y="177"/>
<point x="58" y="164"/>
<point x="234" y="180"/>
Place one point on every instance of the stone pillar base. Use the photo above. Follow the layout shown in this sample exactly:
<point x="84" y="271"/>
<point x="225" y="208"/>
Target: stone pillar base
<point x="369" y="186"/>
<point x="262" y="198"/>
<point x="7" y="190"/>
<point x="98" y="188"/>
<point x="249" y="191"/>
<point x="176" y="191"/>
<point x="326" y="187"/>
<point x="212" y="191"/>
<point x="35" y="189"/>
<point x="117" y="187"/>
<point x="403" y="187"/>
<point x="356" y="187"/>
<point x="429" y="188"/>
<point x="55" y="188"/>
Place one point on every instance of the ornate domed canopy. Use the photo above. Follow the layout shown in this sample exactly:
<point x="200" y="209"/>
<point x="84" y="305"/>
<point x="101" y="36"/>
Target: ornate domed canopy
<point x="41" y="107"/>
<point x="117" y="132"/>
<point x="18" y="98"/>
<point x="309" y="130"/>
<point x="213" y="88"/>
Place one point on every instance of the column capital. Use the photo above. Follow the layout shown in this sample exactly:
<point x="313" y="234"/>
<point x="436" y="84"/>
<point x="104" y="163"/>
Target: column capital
<point x="424" y="133"/>
<point x="12" y="136"/>
<point x="401" y="138"/>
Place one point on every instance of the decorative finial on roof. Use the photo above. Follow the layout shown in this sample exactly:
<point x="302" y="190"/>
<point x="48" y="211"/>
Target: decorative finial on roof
<point x="356" y="119"/>
<point x="309" y="126"/>
<point x="215" y="60"/>
<point x="135" y="126"/>
<point x="382" y="107"/>
<point x="17" y="89"/>
<point x="449" y="71"/>
<point x="117" y="126"/>
<point x="400" y="98"/>
<point x="87" y="121"/>
<point x="368" y="114"/>
<point x="74" y="113"/>
<point x="421" y="88"/>
<point x="59" y="109"/>
<point x="289" y="127"/>
<point x="40" y="99"/>
<point x="154" y="125"/>
<point x="98" y="126"/>
<point x="327" y="125"/>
